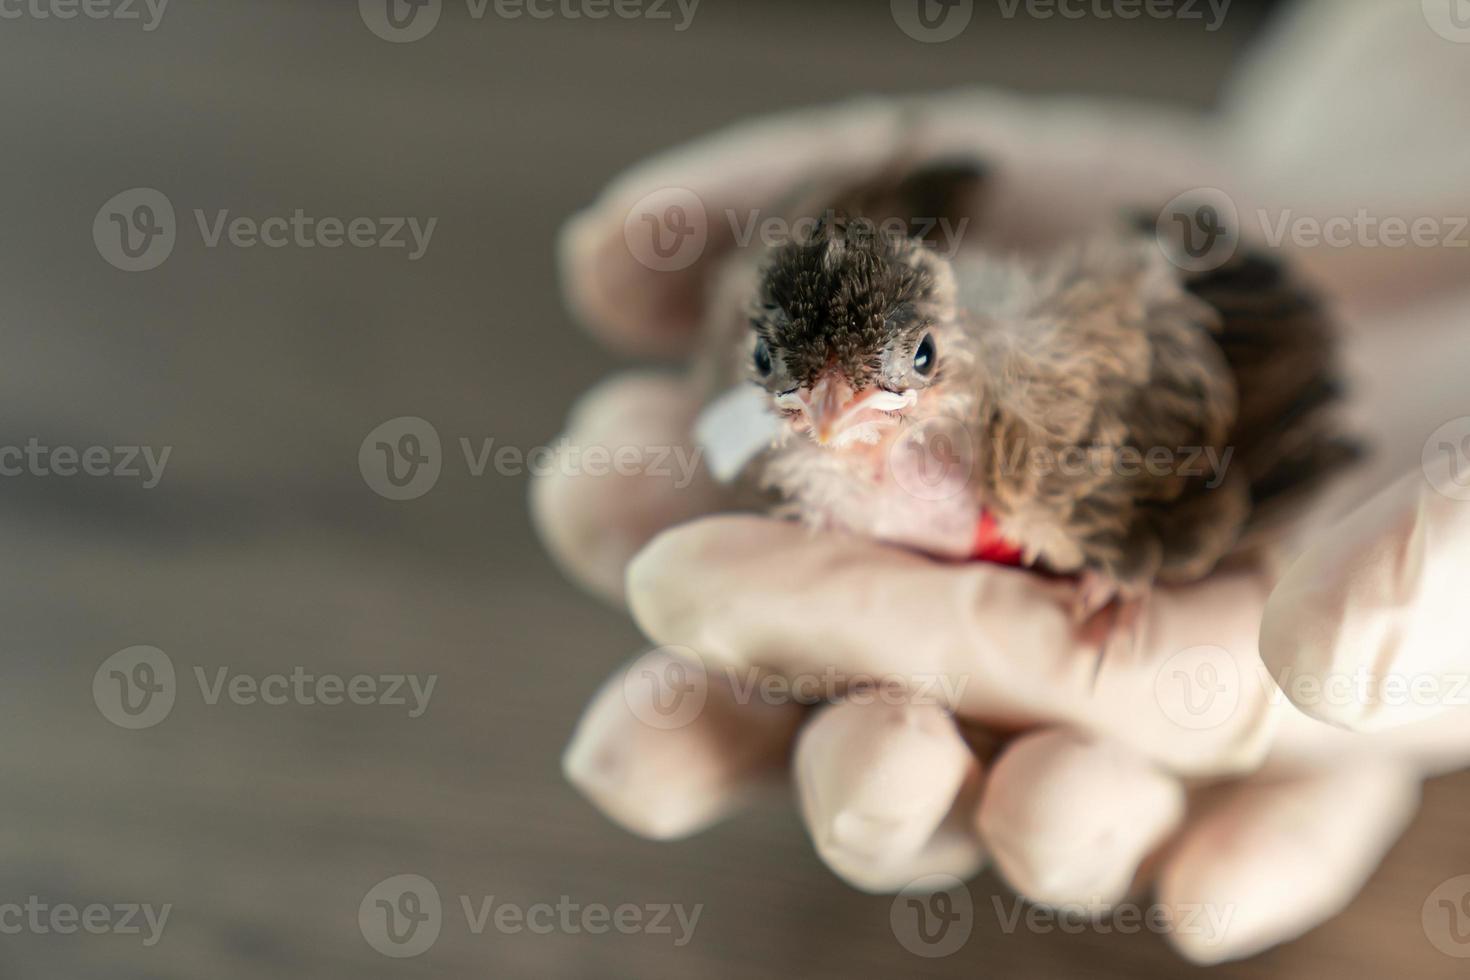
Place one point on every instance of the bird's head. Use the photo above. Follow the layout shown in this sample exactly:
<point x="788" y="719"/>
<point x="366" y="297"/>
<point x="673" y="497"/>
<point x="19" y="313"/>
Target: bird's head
<point x="853" y="329"/>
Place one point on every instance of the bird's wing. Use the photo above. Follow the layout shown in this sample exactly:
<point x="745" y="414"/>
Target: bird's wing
<point x="1280" y="343"/>
<point x="1102" y="396"/>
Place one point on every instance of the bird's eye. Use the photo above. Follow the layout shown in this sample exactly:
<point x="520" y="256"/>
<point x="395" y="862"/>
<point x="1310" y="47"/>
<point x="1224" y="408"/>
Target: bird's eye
<point x="762" y="359"/>
<point x="925" y="358"/>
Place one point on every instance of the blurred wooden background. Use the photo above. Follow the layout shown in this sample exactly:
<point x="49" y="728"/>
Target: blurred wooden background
<point x="262" y="550"/>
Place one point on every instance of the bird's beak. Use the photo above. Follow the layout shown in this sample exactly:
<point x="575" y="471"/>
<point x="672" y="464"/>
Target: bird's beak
<point x="832" y="406"/>
<point x="827" y="406"/>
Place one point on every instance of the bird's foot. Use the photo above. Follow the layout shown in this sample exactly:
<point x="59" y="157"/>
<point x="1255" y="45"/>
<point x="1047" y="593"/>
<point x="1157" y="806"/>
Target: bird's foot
<point x="1113" y="616"/>
<point x="1095" y="592"/>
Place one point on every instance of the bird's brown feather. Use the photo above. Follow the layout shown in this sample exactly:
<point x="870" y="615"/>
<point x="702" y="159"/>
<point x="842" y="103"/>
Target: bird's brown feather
<point x="1226" y="378"/>
<point x="1280" y="342"/>
<point x="1096" y="355"/>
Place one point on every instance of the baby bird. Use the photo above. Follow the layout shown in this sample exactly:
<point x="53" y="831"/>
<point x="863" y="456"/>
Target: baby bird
<point x="1098" y="412"/>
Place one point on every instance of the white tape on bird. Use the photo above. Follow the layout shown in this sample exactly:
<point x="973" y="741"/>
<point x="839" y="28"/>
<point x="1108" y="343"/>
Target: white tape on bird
<point x="734" y="428"/>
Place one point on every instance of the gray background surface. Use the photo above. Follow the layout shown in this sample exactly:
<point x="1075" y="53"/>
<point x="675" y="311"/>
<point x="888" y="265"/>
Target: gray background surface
<point x="262" y="550"/>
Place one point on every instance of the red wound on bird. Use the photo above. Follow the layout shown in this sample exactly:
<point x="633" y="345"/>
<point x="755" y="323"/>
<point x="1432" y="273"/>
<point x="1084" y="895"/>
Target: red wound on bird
<point x="991" y="545"/>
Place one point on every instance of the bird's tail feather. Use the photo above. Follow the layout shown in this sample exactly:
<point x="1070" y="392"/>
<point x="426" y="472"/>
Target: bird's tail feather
<point x="1280" y="344"/>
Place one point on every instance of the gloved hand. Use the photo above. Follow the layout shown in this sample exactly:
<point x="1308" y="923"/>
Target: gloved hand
<point x="893" y="788"/>
<point x="1087" y="800"/>
<point x="1369" y="629"/>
